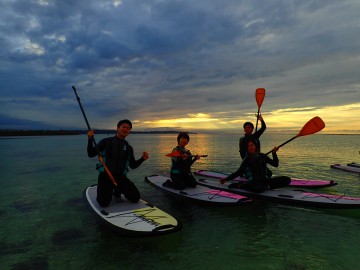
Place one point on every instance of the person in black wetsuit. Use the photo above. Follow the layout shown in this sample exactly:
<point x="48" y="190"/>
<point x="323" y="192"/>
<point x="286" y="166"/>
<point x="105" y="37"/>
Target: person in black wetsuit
<point x="181" y="175"/>
<point x="248" y="129"/>
<point x="254" y="168"/>
<point x="118" y="155"/>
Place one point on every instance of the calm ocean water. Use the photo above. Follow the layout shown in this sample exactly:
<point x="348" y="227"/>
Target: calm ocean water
<point x="45" y="223"/>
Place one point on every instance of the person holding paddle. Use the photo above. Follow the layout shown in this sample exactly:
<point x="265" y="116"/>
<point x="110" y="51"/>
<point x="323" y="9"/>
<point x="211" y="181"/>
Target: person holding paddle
<point x="117" y="155"/>
<point x="181" y="161"/>
<point x="249" y="135"/>
<point x="254" y="168"/>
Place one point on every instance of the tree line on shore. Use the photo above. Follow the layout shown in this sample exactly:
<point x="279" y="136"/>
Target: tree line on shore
<point x="50" y="132"/>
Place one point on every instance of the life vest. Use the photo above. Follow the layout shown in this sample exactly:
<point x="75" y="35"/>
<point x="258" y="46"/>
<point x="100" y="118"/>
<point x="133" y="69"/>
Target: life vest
<point x="251" y="170"/>
<point x="116" y="156"/>
<point x="178" y="165"/>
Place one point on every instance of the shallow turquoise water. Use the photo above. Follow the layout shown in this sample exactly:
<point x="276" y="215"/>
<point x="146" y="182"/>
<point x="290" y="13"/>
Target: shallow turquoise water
<point x="45" y="223"/>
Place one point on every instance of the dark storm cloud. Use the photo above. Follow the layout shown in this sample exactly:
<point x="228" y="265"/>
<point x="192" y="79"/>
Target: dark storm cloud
<point x="139" y="58"/>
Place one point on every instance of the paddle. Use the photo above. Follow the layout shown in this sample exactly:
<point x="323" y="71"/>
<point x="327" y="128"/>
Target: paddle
<point x="259" y="96"/>
<point x="179" y="154"/>
<point x="88" y="126"/>
<point x="312" y="126"/>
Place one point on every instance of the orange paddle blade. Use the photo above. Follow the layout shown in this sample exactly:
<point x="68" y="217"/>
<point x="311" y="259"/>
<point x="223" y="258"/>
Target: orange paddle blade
<point x="312" y="126"/>
<point x="174" y="154"/>
<point x="259" y="96"/>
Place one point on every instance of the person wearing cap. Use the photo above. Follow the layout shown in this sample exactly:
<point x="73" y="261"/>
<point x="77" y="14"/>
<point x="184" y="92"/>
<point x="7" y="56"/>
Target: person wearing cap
<point x="180" y="173"/>
<point x="249" y="135"/>
<point x="118" y="155"/>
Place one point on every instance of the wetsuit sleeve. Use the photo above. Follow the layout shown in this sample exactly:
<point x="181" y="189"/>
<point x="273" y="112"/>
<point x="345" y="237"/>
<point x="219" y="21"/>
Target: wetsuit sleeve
<point x="192" y="161"/>
<point x="274" y="161"/>
<point x="242" y="147"/>
<point x="261" y="130"/>
<point x="133" y="163"/>
<point x="93" y="151"/>
<point x="239" y="171"/>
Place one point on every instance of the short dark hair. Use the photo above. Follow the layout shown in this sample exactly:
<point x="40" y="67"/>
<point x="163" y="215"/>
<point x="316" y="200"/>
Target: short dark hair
<point x="248" y="124"/>
<point x="183" y="135"/>
<point x="124" y="121"/>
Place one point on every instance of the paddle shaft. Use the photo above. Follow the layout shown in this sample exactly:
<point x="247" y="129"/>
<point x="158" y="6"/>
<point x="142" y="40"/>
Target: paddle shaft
<point x="312" y="126"/>
<point x="82" y="109"/>
<point x="293" y="138"/>
<point x="257" y="118"/>
<point x="88" y="125"/>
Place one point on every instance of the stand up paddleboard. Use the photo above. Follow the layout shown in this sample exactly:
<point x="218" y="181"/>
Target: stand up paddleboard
<point x="287" y="196"/>
<point x="295" y="182"/>
<point x="350" y="167"/>
<point x="132" y="219"/>
<point x="199" y="194"/>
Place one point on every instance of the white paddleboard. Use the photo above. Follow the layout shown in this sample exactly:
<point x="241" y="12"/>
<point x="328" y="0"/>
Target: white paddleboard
<point x="295" y="182"/>
<point x="290" y="196"/>
<point x="132" y="219"/>
<point x="199" y="193"/>
<point x="350" y="167"/>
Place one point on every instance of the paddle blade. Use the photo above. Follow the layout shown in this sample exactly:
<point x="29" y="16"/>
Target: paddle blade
<point x="259" y="96"/>
<point x="312" y="126"/>
<point x="174" y="154"/>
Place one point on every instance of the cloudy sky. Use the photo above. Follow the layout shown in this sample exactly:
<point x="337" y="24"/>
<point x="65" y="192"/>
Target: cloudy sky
<point x="180" y="64"/>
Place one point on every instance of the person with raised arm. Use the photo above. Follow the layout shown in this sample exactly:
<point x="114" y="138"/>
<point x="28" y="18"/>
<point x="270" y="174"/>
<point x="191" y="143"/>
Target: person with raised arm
<point x="249" y="135"/>
<point x="253" y="168"/>
<point x="118" y="156"/>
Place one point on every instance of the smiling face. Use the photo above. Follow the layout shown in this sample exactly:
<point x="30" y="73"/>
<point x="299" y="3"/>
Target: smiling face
<point x="251" y="147"/>
<point x="123" y="130"/>
<point x="183" y="142"/>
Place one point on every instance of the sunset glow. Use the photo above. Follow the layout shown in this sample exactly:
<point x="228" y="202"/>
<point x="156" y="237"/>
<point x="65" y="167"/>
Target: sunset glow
<point x="338" y="119"/>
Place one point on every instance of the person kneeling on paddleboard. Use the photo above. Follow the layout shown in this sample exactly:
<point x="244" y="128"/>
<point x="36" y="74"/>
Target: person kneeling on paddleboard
<point x="118" y="155"/>
<point x="254" y="168"/>
<point x="180" y="174"/>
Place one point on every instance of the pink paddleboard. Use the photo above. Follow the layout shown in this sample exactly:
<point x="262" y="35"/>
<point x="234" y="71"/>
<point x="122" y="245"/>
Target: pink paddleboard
<point x="295" y="182"/>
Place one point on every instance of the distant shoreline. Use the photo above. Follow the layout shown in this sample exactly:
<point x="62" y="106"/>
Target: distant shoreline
<point x="10" y="133"/>
<point x="61" y="132"/>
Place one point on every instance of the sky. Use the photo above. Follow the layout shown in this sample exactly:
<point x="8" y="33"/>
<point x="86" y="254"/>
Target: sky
<point x="180" y="64"/>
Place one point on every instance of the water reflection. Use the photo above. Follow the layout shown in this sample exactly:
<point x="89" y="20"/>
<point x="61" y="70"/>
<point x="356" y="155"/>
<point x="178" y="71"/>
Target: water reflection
<point x="38" y="199"/>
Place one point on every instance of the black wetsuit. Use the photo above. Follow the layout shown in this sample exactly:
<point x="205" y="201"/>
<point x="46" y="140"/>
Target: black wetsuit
<point x="118" y="155"/>
<point x="181" y="175"/>
<point x="254" y="168"/>
<point x="255" y="137"/>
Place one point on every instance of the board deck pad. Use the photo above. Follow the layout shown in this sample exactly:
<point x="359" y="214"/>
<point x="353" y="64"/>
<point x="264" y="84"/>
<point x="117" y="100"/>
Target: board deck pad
<point x="350" y="167"/>
<point x="295" y="182"/>
<point x="132" y="219"/>
<point x="291" y="196"/>
<point x="199" y="194"/>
